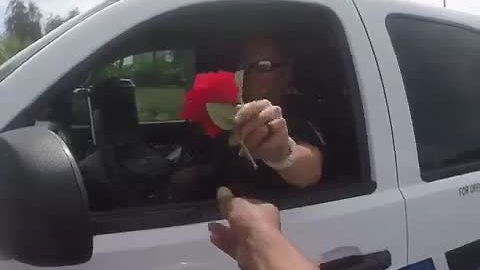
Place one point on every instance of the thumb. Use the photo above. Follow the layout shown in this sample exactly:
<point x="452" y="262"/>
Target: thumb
<point x="224" y="198"/>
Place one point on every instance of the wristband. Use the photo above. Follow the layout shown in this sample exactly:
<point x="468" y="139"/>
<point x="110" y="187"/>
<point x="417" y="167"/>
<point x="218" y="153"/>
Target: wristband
<point x="287" y="162"/>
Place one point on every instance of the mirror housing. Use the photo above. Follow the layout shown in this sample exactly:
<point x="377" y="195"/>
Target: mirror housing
<point x="44" y="207"/>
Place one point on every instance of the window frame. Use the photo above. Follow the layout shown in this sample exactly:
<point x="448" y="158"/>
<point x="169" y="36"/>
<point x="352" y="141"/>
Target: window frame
<point x="165" y="215"/>
<point x="453" y="170"/>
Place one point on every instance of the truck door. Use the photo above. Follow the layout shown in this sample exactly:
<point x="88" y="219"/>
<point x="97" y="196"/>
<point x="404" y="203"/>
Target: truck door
<point x="429" y="58"/>
<point x="359" y="213"/>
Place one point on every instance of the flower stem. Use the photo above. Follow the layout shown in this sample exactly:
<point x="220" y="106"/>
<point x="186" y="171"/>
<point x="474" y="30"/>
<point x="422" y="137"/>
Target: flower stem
<point x="239" y="80"/>
<point x="249" y="155"/>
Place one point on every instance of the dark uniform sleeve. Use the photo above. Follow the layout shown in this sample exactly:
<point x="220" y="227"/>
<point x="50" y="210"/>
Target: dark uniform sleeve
<point x="302" y="130"/>
<point x="302" y="127"/>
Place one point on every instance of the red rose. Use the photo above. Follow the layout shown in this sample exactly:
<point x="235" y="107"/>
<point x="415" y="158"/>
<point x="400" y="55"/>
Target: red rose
<point x="216" y="87"/>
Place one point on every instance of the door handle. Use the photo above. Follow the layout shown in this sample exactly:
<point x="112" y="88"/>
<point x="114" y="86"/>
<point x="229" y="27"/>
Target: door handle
<point x="374" y="261"/>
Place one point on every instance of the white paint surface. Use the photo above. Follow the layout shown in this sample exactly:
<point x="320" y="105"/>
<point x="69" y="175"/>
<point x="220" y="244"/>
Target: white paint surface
<point x="439" y="219"/>
<point x="366" y="224"/>
<point x="316" y="230"/>
<point x="63" y="6"/>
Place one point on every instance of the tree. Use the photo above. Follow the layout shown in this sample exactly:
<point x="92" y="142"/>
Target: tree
<point x="17" y="19"/>
<point x="23" y="21"/>
<point x="54" y="21"/>
<point x="35" y="16"/>
<point x="9" y="46"/>
<point x="73" y="13"/>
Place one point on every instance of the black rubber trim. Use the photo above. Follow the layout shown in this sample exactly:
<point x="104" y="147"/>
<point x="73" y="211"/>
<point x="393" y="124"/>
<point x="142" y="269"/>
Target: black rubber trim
<point x="430" y="20"/>
<point x="375" y="261"/>
<point x="466" y="257"/>
<point x="168" y="215"/>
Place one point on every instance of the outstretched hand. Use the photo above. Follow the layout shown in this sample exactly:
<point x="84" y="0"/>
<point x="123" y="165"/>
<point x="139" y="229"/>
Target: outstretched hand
<point x="252" y="236"/>
<point x="248" y="220"/>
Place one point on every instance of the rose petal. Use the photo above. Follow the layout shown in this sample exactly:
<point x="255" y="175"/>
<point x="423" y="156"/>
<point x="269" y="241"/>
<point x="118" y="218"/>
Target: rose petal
<point x="219" y="87"/>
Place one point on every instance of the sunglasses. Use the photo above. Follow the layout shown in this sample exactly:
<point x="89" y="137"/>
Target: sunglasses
<point x="263" y="66"/>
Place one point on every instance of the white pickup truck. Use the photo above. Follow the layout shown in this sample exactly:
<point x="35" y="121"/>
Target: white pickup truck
<point x="90" y="137"/>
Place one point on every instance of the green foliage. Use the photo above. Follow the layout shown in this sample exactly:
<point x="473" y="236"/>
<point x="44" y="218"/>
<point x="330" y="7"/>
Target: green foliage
<point x="153" y="69"/>
<point x="9" y="46"/>
<point x="23" y="26"/>
<point x="159" y="104"/>
<point x="152" y="74"/>
<point x="73" y="13"/>
<point x="147" y="70"/>
<point x="112" y="71"/>
<point x="23" y="20"/>
<point x="160" y="79"/>
<point x="54" y="21"/>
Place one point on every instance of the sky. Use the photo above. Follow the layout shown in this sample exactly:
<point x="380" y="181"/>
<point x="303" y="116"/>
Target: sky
<point x="62" y="7"/>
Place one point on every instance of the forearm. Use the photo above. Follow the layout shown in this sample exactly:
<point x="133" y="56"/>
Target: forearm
<point x="307" y="168"/>
<point x="276" y="253"/>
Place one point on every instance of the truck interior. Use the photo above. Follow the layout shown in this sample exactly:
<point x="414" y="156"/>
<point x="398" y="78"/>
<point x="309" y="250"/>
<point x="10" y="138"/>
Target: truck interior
<point x="128" y="158"/>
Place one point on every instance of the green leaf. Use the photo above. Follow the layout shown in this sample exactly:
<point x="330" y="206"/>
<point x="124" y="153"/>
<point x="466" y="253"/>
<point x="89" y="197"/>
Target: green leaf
<point x="222" y="115"/>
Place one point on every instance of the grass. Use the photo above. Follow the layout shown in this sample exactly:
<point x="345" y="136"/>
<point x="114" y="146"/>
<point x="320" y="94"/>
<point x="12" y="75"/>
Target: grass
<point x="159" y="104"/>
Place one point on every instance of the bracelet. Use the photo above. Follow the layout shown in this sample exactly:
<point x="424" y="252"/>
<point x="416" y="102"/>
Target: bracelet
<point x="287" y="162"/>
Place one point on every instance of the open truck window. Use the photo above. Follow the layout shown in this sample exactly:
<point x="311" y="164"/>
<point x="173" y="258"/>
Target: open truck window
<point x="119" y="110"/>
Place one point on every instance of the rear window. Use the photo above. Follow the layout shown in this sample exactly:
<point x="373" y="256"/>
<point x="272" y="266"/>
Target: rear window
<point x="161" y="79"/>
<point x="440" y="65"/>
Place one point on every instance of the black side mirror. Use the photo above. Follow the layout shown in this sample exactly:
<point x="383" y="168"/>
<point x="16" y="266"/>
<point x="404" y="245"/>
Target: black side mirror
<point x="44" y="219"/>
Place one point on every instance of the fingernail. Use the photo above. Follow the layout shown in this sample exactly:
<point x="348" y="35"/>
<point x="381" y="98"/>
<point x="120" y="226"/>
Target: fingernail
<point x="224" y="193"/>
<point x="218" y="190"/>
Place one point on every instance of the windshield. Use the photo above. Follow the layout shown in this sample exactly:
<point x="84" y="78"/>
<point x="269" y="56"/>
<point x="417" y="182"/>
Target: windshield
<point x="11" y="65"/>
